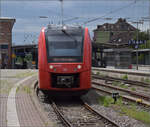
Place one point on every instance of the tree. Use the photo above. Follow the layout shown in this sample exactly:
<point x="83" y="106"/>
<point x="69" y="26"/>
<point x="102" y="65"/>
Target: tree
<point x="144" y="36"/>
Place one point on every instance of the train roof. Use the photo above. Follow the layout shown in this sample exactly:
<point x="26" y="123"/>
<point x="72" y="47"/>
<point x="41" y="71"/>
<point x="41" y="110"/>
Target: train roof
<point x="60" y="27"/>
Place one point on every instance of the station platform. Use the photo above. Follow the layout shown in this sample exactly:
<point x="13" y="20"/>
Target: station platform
<point x="134" y="71"/>
<point x="136" y="75"/>
<point x="16" y="106"/>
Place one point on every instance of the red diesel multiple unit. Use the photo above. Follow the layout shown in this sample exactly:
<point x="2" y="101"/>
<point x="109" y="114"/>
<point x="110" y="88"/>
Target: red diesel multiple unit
<point x="64" y="60"/>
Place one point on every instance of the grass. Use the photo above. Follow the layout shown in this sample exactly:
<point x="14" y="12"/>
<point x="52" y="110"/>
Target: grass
<point x="142" y="79"/>
<point x="106" y="100"/>
<point x="5" y="86"/>
<point x="123" y="86"/>
<point x="46" y="123"/>
<point x="27" y="89"/>
<point x="25" y="74"/>
<point x="17" y="89"/>
<point x="129" y="110"/>
<point x="147" y="80"/>
<point x="125" y="77"/>
<point x="5" y="91"/>
<point x="98" y="73"/>
<point x="134" y="113"/>
<point x="133" y="89"/>
<point x="115" y="83"/>
<point x="3" y="82"/>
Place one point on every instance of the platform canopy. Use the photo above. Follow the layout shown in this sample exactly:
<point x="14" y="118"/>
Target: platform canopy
<point x="108" y="45"/>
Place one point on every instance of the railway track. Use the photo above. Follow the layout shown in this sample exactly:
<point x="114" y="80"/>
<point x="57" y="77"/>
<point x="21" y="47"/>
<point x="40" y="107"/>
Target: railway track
<point x="125" y="97"/>
<point x="64" y="120"/>
<point x="82" y="115"/>
<point x="107" y="78"/>
<point x="139" y="95"/>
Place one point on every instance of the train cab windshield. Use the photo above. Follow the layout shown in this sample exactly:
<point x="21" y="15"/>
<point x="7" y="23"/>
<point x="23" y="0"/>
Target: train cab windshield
<point x="64" y="46"/>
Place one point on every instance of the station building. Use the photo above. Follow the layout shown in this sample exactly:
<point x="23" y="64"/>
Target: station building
<point x="25" y="56"/>
<point x="111" y="44"/>
<point x="118" y="33"/>
<point x="6" y="25"/>
<point x="143" y="56"/>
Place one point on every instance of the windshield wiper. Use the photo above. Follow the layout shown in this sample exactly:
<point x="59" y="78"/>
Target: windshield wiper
<point x="69" y="35"/>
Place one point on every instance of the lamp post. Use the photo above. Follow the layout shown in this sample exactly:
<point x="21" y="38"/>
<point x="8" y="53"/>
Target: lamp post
<point x="0" y="51"/>
<point x="137" y="39"/>
<point x="0" y="8"/>
<point x="0" y="64"/>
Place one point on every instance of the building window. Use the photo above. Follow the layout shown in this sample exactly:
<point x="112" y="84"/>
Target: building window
<point x="4" y="46"/>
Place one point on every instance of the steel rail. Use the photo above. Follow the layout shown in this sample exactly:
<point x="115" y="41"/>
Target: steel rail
<point x="137" y="83"/>
<point x="54" y="106"/>
<point x="123" y="97"/>
<point x="88" y="107"/>
<point x="147" y="74"/>
<point x="60" y="115"/>
<point x="124" y="90"/>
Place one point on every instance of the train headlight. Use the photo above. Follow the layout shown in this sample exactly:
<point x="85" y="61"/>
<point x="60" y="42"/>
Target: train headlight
<point x="79" y="66"/>
<point x="64" y="28"/>
<point x="51" y="67"/>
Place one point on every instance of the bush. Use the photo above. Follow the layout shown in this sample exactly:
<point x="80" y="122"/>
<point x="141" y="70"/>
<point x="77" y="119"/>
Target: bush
<point x="125" y="77"/>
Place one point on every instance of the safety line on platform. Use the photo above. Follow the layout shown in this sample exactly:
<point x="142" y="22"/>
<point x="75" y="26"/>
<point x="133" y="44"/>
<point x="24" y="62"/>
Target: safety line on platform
<point x="12" y="117"/>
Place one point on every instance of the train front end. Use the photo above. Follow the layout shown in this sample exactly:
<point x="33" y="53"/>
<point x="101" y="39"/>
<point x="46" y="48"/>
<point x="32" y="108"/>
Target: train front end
<point x="64" y="60"/>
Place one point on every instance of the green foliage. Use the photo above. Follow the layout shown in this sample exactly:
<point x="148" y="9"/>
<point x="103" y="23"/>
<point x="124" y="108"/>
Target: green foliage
<point x="130" y="110"/>
<point x="147" y="80"/>
<point x="123" y="86"/>
<point x="135" y="113"/>
<point x="145" y="46"/>
<point x="133" y="89"/>
<point x="17" y="89"/>
<point x="125" y="77"/>
<point x="141" y="57"/>
<point x="46" y="124"/>
<point x="25" y="74"/>
<point x="28" y="57"/>
<point x="115" y="83"/>
<point x="5" y="86"/>
<point x="142" y="79"/>
<point x="106" y="100"/>
<point x="27" y="89"/>
<point x="98" y="73"/>
<point x="19" y="60"/>
<point x="119" y="101"/>
<point x="143" y="36"/>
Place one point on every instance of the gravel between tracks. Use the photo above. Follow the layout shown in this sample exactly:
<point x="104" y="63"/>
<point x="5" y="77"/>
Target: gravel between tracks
<point x="79" y="116"/>
<point x="124" y="121"/>
<point x="92" y="99"/>
<point x="48" y="111"/>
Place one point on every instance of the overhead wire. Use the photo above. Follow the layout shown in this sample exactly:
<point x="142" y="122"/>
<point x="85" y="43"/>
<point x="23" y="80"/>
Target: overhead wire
<point x="116" y="10"/>
<point x="69" y="0"/>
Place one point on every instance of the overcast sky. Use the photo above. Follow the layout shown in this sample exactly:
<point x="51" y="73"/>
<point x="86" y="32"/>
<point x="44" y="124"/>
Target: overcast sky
<point x="28" y="24"/>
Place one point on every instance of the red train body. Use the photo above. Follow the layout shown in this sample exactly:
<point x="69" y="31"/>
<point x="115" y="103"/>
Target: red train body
<point x="64" y="60"/>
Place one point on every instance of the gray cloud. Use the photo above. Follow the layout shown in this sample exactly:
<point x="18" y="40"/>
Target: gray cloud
<point x="27" y="13"/>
